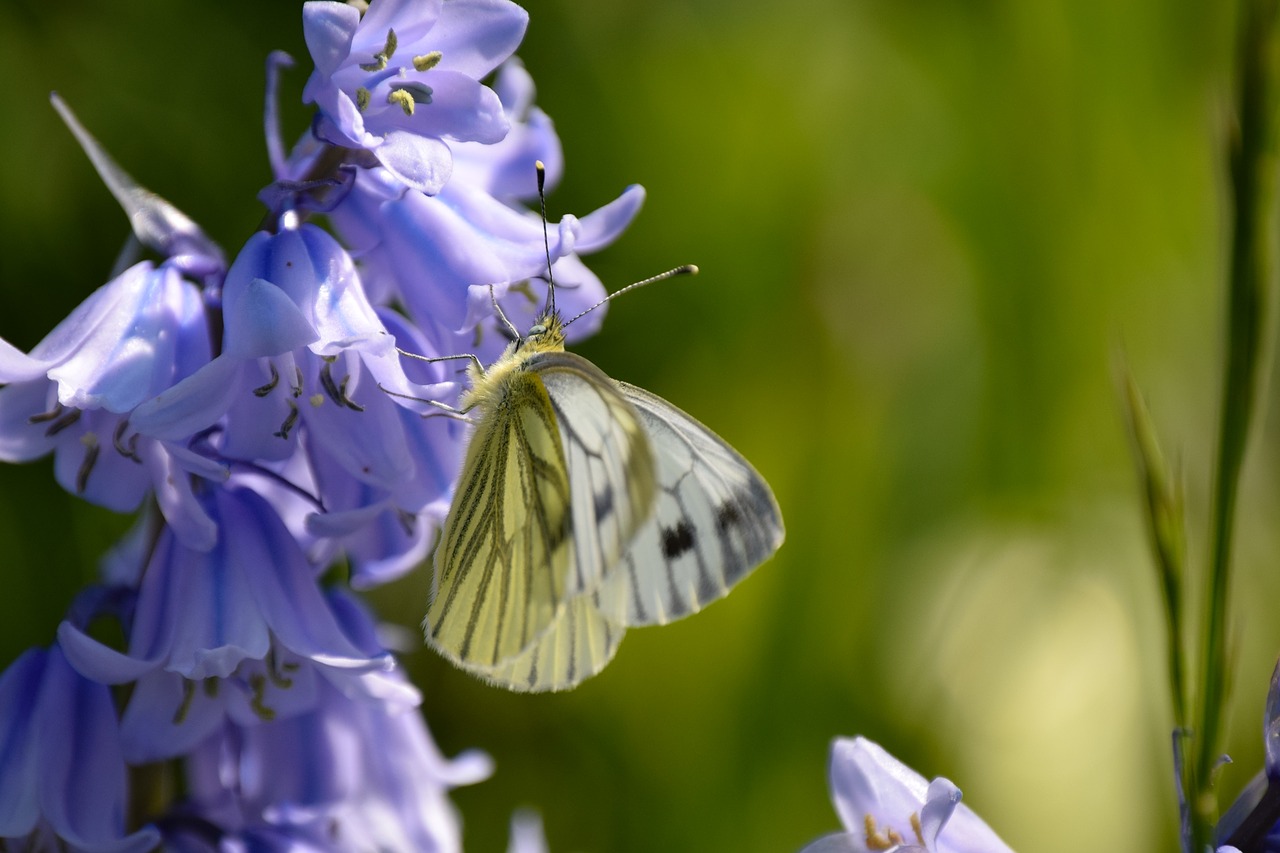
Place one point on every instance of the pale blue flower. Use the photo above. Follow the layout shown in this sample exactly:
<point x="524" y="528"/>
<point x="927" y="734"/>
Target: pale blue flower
<point x="232" y="631"/>
<point x="1253" y="820"/>
<point x="361" y="774"/>
<point x="885" y="805"/>
<point x="62" y="771"/>
<point x="74" y="394"/>
<point x="526" y="833"/>
<point x="404" y="77"/>
<point x="445" y="256"/>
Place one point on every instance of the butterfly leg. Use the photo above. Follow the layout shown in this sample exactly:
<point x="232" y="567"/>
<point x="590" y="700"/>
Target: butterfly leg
<point x="430" y="359"/>
<point x="445" y="408"/>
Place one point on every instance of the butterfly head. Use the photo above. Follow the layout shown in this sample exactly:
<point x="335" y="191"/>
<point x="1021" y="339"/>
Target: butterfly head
<point x="545" y="335"/>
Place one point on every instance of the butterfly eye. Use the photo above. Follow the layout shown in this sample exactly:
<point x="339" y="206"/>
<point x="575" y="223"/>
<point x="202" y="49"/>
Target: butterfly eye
<point x="534" y="331"/>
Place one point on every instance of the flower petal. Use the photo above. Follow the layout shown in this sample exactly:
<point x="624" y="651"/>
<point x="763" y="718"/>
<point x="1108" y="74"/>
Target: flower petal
<point x="99" y="662"/>
<point x="328" y="28"/>
<point x="82" y="783"/>
<point x="192" y="404"/>
<point x="265" y="321"/>
<point x="475" y="36"/>
<point x="420" y="162"/>
<point x="19" y="686"/>
<point x="602" y="226"/>
<point x="169" y="715"/>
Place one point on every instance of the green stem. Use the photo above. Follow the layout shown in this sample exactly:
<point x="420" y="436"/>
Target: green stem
<point x="1252" y="266"/>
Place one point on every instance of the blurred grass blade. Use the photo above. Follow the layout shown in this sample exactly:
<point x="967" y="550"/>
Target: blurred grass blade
<point x="1252" y="268"/>
<point x="1166" y="527"/>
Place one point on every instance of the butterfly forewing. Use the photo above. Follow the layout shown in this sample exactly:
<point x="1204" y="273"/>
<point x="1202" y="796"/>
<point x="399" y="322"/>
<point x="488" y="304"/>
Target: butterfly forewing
<point x="714" y="520"/>
<point x="502" y="562"/>
<point x="577" y="646"/>
<point x="610" y="462"/>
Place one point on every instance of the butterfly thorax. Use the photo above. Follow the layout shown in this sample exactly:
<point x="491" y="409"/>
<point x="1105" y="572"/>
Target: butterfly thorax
<point x="491" y="387"/>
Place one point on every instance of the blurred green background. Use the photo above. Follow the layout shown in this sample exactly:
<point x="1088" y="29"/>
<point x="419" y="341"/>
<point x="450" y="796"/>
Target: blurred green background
<point x="926" y="229"/>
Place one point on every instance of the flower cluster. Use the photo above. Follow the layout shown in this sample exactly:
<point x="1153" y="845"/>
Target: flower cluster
<point x="259" y="418"/>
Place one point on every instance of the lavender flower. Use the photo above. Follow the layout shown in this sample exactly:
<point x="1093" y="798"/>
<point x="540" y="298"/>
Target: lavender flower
<point x="885" y="805"/>
<point x="62" y="772"/>
<point x="404" y="77"/>
<point x="260" y="456"/>
<point x="526" y="833"/>
<point x="359" y="774"/>
<point x="1253" y="820"/>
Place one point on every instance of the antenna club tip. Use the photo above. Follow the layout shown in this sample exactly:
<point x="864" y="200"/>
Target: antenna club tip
<point x="689" y="269"/>
<point x="539" y="165"/>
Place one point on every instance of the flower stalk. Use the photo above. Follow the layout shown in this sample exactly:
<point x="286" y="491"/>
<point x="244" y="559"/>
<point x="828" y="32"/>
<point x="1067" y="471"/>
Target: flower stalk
<point x="1252" y="270"/>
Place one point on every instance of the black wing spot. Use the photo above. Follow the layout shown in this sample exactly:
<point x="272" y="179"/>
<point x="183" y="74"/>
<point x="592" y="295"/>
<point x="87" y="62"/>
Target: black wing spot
<point x="677" y="540"/>
<point x="727" y="516"/>
<point x="604" y="502"/>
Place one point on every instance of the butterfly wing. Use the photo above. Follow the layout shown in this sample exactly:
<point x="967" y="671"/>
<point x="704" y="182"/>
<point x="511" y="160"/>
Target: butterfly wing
<point x="577" y="646"/>
<point x="503" y="558"/>
<point x="612" y="481"/>
<point x="714" y="520"/>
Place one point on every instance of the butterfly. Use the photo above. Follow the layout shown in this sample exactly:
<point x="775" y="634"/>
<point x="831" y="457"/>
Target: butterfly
<point x="585" y="506"/>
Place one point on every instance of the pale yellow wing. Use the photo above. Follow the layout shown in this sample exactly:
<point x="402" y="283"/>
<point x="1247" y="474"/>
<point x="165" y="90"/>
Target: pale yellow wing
<point x="610" y="462"/>
<point x="502" y="561"/>
<point x="714" y="520"/>
<point x="576" y="646"/>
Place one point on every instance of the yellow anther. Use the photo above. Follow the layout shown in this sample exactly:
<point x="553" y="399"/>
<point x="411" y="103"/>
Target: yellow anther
<point x="403" y="98"/>
<point x="876" y="840"/>
<point x="427" y="61"/>
<point x="362" y="98"/>
<point x="188" y="693"/>
<point x="258" y="684"/>
<point x="917" y="828"/>
<point x="316" y="400"/>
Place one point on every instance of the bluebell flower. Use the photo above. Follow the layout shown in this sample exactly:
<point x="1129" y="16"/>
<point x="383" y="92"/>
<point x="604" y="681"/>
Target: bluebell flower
<point x="404" y="77"/>
<point x="1253" y="820"/>
<point x="62" y="771"/>
<point x="446" y="256"/>
<point x="361" y="774"/>
<point x="231" y="631"/>
<point x="526" y="833"/>
<point x="885" y="805"/>
<point x="74" y="393"/>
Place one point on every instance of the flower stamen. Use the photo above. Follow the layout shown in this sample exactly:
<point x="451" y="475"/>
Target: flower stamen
<point x="45" y="417"/>
<point x="403" y="99"/>
<point x="117" y="441"/>
<point x="63" y="422"/>
<point x="289" y="421"/>
<point x="258" y="684"/>
<point x="427" y="61"/>
<point x="264" y="390"/>
<point x="408" y="521"/>
<point x="888" y="838"/>
<point x="381" y="58"/>
<point x="188" y="694"/>
<point x="90" y="442"/>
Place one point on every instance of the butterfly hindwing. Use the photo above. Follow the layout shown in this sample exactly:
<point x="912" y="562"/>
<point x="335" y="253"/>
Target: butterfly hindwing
<point x="714" y="520"/>
<point x="576" y="646"/>
<point x="502" y="562"/>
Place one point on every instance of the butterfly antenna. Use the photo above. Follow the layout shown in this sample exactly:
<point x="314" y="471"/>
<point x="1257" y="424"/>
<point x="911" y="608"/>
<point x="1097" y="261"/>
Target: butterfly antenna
<point x="687" y="269"/>
<point x="541" y="169"/>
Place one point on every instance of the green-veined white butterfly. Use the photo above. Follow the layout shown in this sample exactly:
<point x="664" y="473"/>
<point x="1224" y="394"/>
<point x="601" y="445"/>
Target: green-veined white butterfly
<point x="584" y="506"/>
